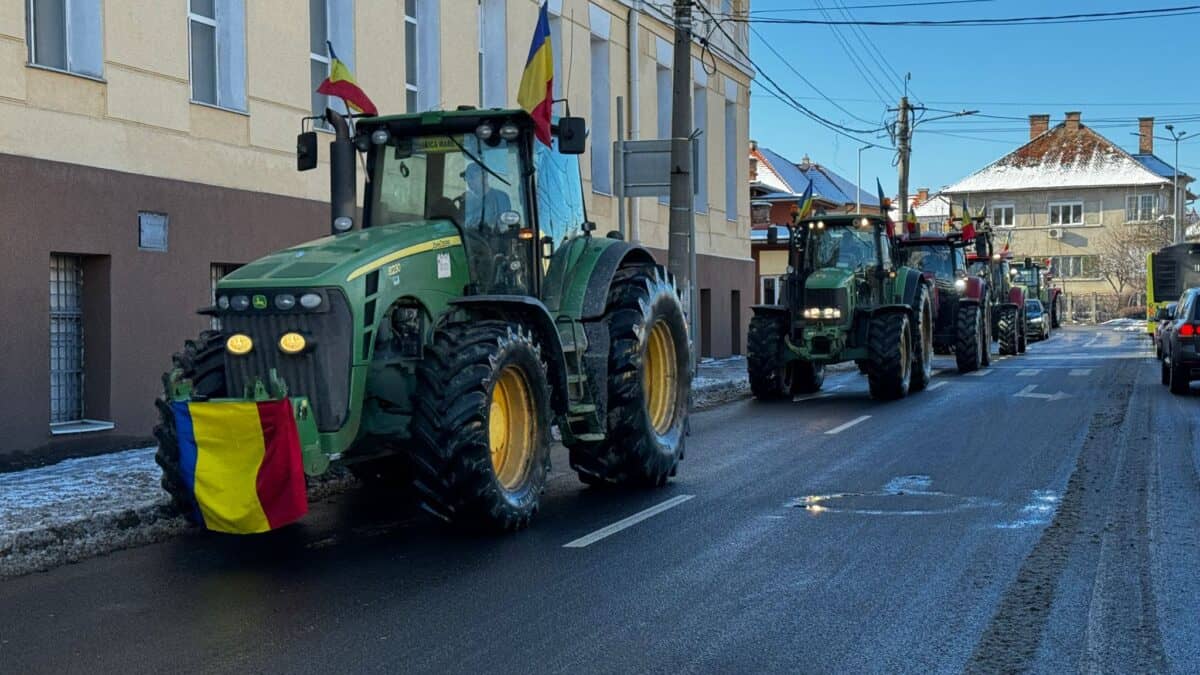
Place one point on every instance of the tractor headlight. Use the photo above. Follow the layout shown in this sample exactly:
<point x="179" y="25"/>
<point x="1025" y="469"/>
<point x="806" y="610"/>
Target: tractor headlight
<point x="239" y="344"/>
<point x="310" y="301"/>
<point x="285" y="301"/>
<point x="509" y="131"/>
<point x="960" y="285"/>
<point x="292" y="343"/>
<point x="240" y="303"/>
<point x="829" y="312"/>
<point x="223" y="302"/>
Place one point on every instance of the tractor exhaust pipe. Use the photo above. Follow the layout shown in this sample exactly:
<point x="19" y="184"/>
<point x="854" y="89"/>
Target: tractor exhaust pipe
<point x="343" y="179"/>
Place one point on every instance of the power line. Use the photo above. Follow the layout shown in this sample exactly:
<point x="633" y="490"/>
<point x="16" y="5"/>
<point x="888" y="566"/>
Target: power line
<point x="804" y="79"/>
<point x="873" y="50"/>
<point x="885" y="5"/>
<point x="1083" y="17"/>
<point x="855" y="60"/>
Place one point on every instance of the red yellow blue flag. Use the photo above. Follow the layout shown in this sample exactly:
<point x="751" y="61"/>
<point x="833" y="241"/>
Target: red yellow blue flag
<point x="806" y="201"/>
<point x="536" y="94"/>
<point x="241" y="460"/>
<point x="341" y="83"/>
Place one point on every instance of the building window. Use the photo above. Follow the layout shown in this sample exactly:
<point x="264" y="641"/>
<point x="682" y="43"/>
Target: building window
<point x="731" y="161"/>
<point x="1066" y="213"/>
<point x="217" y="43"/>
<point x="1004" y="215"/>
<point x="1074" y="266"/>
<point x="768" y="290"/>
<point x="700" y="122"/>
<point x="663" y="74"/>
<point x="66" y="35"/>
<point x="1140" y="208"/>
<point x="216" y="272"/>
<point x="66" y="339"/>
<point x="493" y="65"/>
<point x="410" y="56"/>
<point x="601" y="135"/>
<point x="556" y="48"/>
<point x="329" y="22"/>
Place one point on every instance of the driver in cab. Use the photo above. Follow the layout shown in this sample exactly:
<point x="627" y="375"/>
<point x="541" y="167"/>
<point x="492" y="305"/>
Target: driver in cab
<point x="482" y="205"/>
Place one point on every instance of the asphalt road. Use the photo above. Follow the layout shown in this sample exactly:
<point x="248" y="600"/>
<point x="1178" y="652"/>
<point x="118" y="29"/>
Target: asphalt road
<point x="1043" y="515"/>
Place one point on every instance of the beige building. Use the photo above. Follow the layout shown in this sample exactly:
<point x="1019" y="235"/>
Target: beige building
<point x="1061" y="194"/>
<point x="148" y="146"/>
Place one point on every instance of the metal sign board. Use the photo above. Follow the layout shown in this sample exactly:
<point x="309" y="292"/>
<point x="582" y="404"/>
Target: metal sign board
<point x="643" y="168"/>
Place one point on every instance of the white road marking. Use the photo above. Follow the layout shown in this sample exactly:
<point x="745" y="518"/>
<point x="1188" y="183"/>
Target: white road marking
<point x="935" y="385"/>
<point x="980" y="373"/>
<point x="840" y="428"/>
<point x="1080" y="372"/>
<point x="1028" y="372"/>
<point x="1028" y="392"/>
<point x="624" y="523"/>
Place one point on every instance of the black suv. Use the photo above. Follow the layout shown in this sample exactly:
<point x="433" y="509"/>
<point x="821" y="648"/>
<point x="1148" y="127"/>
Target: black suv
<point x="1179" y="337"/>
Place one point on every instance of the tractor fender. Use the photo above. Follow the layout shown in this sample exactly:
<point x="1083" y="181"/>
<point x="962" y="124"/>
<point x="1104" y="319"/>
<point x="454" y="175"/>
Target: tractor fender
<point x="976" y="289"/>
<point x="913" y="280"/>
<point x="1016" y="296"/>
<point x="532" y="313"/>
<point x="890" y="308"/>
<point x="615" y="256"/>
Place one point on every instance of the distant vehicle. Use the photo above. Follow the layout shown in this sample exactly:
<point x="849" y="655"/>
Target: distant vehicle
<point x="1169" y="271"/>
<point x="1180" y="360"/>
<point x="1161" y="319"/>
<point x="1036" y="278"/>
<point x="1037" y="321"/>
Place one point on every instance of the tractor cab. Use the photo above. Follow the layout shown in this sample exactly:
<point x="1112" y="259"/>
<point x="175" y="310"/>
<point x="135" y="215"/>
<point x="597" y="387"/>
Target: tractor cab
<point x="940" y="258"/>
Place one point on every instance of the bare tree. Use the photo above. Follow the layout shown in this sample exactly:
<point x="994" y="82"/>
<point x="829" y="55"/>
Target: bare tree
<point x="1123" y="250"/>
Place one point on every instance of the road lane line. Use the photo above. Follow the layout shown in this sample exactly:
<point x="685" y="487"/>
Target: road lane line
<point x="935" y="385"/>
<point x="1080" y="372"/>
<point x="1029" y="372"/>
<point x="980" y="373"/>
<point x="847" y="425"/>
<point x="624" y="523"/>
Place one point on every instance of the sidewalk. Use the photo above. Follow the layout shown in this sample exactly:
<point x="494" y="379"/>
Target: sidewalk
<point x="80" y="508"/>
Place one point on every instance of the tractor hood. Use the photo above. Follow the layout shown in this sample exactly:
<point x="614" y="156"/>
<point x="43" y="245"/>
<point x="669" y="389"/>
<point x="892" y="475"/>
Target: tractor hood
<point x="334" y="260"/>
<point x="830" y="277"/>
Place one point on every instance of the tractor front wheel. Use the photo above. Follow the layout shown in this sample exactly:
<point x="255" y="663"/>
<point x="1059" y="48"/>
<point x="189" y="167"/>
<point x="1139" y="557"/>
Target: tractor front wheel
<point x="1009" y="338"/>
<point x="482" y="426"/>
<point x="968" y="347"/>
<point x="203" y="362"/>
<point x="922" y="340"/>
<point x="649" y="375"/>
<point x="891" y="349"/>
<point x="1023" y="331"/>
<point x="766" y="366"/>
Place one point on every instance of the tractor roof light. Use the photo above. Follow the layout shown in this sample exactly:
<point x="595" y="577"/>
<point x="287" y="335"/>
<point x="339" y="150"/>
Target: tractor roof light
<point x="343" y="223"/>
<point x="509" y="131"/>
<point x="484" y="131"/>
<point x="381" y="136"/>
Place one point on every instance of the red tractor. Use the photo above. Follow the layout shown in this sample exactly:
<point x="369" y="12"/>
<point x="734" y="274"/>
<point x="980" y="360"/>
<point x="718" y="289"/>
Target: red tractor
<point x="962" y="306"/>
<point x="1008" y="299"/>
<point x="1036" y="278"/>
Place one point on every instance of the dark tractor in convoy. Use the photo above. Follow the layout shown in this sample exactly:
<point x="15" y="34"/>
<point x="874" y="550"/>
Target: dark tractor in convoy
<point x="1035" y="278"/>
<point x="845" y="298"/>
<point x="962" y="304"/>
<point x="1009" y="319"/>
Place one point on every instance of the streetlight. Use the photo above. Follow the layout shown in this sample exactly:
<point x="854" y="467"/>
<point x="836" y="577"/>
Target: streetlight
<point x="1175" y="212"/>
<point x="858" y="183"/>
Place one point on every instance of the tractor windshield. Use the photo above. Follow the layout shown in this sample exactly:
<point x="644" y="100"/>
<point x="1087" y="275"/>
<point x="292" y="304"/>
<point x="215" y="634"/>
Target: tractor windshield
<point x="1027" y="276"/>
<point x="842" y="247"/>
<point x="978" y="268"/>
<point x="935" y="258"/>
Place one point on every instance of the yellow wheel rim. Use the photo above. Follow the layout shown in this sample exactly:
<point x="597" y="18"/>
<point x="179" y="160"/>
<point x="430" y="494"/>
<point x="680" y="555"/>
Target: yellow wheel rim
<point x="511" y="427"/>
<point x="660" y="377"/>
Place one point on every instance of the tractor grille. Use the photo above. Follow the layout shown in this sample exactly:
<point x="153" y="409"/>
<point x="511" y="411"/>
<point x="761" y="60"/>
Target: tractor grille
<point x="322" y="374"/>
<point x="827" y="297"/>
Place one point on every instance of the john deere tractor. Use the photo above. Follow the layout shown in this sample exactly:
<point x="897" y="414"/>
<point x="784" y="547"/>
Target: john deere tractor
<point x="1035" y="278"/>
<point x="962" y="307"/>
<point x="844" y="299"/>
<point x="433" y="339"/>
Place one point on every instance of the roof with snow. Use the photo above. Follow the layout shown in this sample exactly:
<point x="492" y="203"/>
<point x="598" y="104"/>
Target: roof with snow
<point x="1062" y="157"/>
<point x="794" y="178"/>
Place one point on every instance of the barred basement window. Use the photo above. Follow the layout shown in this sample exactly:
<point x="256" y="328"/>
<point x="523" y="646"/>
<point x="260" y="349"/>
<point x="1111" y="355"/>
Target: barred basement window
<point x="216" y="272"/>
<point x="66" y="338"/>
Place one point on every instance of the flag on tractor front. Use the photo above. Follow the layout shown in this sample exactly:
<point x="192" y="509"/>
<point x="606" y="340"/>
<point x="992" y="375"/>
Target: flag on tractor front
<point x="241" y="460"/>
<point x="536" y="94"/>
<point x="806" y="202"/>
<point x="341" y="83"/>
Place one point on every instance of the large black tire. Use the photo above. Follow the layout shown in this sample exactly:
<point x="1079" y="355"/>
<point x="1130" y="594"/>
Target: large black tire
<point x="985" y="356"/>
<point x="968" y="346"/>
<point x="1179" y="382"/>
<point x="1009" y="336"/>
<point x="766" y="367"/>
<point x="890" y="346"/>
<point x="807" y="377"/>
<point x="467" y="376"/>
<point x="635" y="450"/>
<point x="921" y="340"/>
<point x="1023" y="331"/>
<point x="203" y="362"/>
<point x="1166" y="372"/>
<point x="1055" y="313"/>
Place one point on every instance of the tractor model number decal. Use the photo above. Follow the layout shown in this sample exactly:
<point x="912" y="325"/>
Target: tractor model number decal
<point x="431" y="245"/>
<point x="443" y="265"/>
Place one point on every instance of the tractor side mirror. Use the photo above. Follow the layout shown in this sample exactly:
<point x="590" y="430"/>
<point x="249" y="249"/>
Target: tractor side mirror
<point x="306" y="151"/>
<point x="572" y="135"/>
<point x="1028" y="262"/>
<point x="772" y="235"/>
<point x="547" y="247"/>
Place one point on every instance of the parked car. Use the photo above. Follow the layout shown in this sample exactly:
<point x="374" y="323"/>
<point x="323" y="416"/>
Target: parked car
<point x="1164" y="316"/>
<point x="1181" y="361"/>
<point x="1037" y="321"/>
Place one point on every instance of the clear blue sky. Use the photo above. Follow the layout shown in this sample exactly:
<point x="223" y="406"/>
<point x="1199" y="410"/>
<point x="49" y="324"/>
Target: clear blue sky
<point x="1111" y="72"/>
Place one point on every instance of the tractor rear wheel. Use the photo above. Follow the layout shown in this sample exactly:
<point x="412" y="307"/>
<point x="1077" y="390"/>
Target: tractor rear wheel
<point x="922" y="341"/>
<point x="1009" y="339"/>
<point x="766" y="367"/>
<point x="203" y="362"/>
<point x="649" y="375"/>
<point x="968" y="347"/>
<point x="482" y="426"/>
<point x="890" y="344"/>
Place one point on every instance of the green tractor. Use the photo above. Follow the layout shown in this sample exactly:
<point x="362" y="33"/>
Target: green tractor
<point x="844" y="299"/>
<point x="433" y="347"/>
<point x="1036" y="277"/>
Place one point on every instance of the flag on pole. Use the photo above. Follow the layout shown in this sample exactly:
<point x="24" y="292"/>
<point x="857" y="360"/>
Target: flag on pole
<point x="241" y="460"/>
<point x="806" y="202"/>
<point x="910" y="224"/>
<point x="536" y="94"/>
<point x="341" y="83"/>
<point x="968" y="227"/>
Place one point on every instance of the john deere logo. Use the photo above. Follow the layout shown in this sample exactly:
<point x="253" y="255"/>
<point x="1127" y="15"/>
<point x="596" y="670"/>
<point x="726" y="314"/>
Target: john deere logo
<point x="260" y="302"/>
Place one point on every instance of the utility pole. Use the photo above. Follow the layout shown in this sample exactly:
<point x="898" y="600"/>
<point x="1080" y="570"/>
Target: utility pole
<point x="681" y="242"/>
<point x="904" y="144"/>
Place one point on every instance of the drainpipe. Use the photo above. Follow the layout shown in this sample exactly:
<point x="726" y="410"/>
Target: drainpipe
<point x="635" y="121"/>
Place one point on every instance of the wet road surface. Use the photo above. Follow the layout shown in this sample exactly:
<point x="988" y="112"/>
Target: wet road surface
<point x="1041" y="515"/>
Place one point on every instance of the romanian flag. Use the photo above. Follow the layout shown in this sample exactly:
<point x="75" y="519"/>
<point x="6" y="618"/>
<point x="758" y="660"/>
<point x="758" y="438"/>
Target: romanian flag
<point x="968" y="226"/>
<point x="806" y="202"/>
<point x="536" y="94"/>
<point x="241" y="460"/>
<point x="341" y="83"/>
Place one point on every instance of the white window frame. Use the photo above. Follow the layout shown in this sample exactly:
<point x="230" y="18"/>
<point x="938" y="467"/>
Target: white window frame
<point x="493" y="50"/>
<point x="412" y="87"/>
<point x="1065" y="266"/>
<point x="1060" y="205"/>
<point x="599" y="25"/>
<point x="1137" y="208"/>
<point x="700" y="122"/>
<point x="212" y="21"/>
<point x="775" y="286"/>
<point x="68" y="46"/>
<point x="1001" y="206"/>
